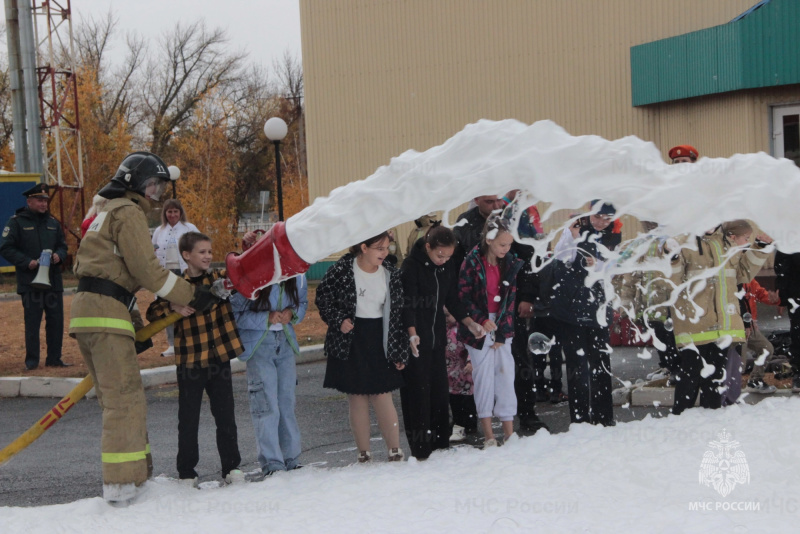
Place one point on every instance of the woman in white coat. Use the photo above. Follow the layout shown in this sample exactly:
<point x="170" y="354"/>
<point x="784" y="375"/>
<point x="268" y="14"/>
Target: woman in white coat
<point x="165" y="241"/>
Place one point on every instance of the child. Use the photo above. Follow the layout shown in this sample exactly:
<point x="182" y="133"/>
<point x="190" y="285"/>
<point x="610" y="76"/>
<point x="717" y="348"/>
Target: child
<point x="459" y="377"/>
<point x="757" y="343"/>
<point x="576" y="306"/>
<point x="266" y="325"/>
<point x="361" y="300"/>
<point x="487" y="287"/>
<point x="429" y="282"/>
<point x="204" y="346"/>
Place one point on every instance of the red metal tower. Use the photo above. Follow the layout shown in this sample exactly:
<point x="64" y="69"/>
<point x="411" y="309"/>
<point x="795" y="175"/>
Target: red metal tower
<point x="58" y="106"/>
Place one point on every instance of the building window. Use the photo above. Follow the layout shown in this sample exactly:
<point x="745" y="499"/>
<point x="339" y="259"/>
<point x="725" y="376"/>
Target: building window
<point x="786" y="132"/>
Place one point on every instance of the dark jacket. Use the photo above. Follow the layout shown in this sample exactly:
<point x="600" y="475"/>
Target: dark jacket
<point x="25" y="236"/>
<point x="787" y="277"/>
<point x="468" y="234"/>
<point x="573" y="302"/>
<point x="472" y="293"/>
<point x="527" y="279"/>
<point x="427" y="288"/>
<point x="336" y="300"/>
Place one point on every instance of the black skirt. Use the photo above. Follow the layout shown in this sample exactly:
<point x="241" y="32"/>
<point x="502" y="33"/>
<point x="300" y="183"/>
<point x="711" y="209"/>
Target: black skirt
<point x="366" y="371"/>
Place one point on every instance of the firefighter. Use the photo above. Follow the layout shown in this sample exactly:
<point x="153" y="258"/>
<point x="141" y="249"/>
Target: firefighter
<point x="115" y="260"/>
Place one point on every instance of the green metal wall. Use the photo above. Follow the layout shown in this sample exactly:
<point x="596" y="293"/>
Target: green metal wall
<point x="759" y="50"/>
<point x="318" y="270"/>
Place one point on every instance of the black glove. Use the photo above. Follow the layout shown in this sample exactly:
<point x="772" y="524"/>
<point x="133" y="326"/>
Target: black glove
<point x="142" y="346"/>
<point x="203" y="299"/>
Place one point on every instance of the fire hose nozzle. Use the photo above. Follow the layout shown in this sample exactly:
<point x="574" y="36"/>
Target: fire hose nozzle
<point x="271" y="260"/>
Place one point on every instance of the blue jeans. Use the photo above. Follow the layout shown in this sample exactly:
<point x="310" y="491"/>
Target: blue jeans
<point x="271" y="382"/>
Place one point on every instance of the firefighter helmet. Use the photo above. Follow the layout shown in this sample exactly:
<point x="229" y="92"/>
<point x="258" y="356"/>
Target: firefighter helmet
<point x="143" y="173"/>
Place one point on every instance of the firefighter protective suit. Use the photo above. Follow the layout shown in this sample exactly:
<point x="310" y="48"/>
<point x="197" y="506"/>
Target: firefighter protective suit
<point x="115" y="260"/>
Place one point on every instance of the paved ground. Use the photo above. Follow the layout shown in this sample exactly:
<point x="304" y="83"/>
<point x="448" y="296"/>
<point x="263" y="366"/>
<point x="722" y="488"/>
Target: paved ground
<point x="63" y="465"/>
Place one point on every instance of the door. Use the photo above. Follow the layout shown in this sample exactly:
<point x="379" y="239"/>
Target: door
<point x="786" y="132"/>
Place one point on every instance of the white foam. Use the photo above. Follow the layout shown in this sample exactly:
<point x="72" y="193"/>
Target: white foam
<point x="493" y="157"/>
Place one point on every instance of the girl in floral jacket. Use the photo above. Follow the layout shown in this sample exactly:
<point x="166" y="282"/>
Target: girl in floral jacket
<point x="361" y="301"/>
<point x="487" y="287"/>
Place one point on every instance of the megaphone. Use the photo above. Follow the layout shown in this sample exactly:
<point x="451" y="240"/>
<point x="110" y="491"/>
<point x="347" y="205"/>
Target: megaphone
<point x="42" y="280"/>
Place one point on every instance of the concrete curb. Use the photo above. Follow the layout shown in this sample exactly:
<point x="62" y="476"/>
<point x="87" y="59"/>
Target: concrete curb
<point x="42" y="386"/>
<point x="14" y="296"/>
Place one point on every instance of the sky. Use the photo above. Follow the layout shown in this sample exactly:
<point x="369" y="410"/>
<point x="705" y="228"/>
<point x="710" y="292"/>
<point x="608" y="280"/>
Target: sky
<point x="264" y="28"/>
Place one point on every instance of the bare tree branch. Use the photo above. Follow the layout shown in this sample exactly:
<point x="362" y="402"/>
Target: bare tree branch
<point x="93" y="39"/>
<point x="289" y="72"/>
<point x="191" y="63"/>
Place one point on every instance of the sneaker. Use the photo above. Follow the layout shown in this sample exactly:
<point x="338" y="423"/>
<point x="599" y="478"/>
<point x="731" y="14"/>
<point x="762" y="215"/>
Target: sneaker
<point x="188" y="482"/>
<point x="364" y="457"/>
<point x="234" y="477"/>
<point x="396" y="455"/>
<point x="258" y="476"/>
<point x="796" y="384"/>
<point x="489" y="443"/>
<point x="658" y="374"/>
<point x="760" y="387"/>
<point x="557" y="397"/>
<point x="458" y="434"/>
<point x="119" y="495"/>
<point x="170" y="352"/>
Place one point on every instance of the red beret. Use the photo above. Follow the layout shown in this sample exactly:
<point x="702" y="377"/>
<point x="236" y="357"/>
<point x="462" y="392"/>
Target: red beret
<point x="683" y="150"/>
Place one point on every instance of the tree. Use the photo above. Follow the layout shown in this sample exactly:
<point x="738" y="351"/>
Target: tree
<point x="105" y="133"/>
<point x="253" y="165"/>
<point x="261" y="99"/>
<point x="191" y="64"/>
<point x="207" y="185"/>
<point x="6" y="118"/>
<point x="117" y="100"/>
<point x="289" y="72"/>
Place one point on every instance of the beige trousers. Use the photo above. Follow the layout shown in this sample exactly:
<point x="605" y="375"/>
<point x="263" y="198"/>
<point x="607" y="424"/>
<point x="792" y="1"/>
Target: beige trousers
<point x="112" y="362"/>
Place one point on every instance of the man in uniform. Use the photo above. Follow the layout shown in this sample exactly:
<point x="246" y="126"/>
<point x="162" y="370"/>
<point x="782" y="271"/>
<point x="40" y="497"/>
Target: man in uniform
<point x="30" y="231"/>
<point x="115" y="260"/>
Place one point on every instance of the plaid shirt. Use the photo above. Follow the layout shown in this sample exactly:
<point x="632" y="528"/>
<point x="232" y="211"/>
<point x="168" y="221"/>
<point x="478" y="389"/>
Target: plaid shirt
<point x="202" y="339"/>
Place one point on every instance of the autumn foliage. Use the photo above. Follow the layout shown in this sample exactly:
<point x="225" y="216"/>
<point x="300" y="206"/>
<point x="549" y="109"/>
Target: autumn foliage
<point x="195" y="102"/>
<point x="207" y="185"/>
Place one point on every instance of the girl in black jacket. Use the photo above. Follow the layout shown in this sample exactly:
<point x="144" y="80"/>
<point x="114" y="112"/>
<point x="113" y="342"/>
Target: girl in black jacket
<point x="429" y="284"/>
<point x="361" y="300"/>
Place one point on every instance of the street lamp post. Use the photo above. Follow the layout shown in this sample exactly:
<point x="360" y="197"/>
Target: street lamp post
<point x="174" y="174"/>
<point x="275" y="130"/>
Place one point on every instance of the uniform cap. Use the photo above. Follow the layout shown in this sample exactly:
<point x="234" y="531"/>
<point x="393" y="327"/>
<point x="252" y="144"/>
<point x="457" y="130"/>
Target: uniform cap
<point x="37" y="191"/>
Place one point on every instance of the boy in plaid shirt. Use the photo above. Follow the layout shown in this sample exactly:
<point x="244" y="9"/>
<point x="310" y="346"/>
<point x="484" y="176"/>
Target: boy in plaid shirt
<point x="204" y="345"/>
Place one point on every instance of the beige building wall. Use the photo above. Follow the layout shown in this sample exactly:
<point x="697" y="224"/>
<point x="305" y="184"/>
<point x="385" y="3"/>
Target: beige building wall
<point x="385" y="76"/>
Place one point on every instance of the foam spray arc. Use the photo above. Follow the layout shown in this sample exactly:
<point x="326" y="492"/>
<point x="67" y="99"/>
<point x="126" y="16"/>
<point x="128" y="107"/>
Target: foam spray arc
<point x="493" y="157"/>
